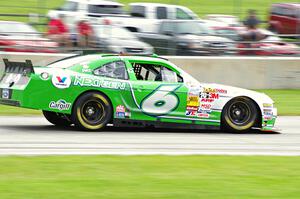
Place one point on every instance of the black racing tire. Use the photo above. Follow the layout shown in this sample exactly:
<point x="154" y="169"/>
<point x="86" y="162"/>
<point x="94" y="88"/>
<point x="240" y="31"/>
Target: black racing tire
<point x="57" y="119"/>
<point x="239" y="115"/>
<point x="92" y="111"/>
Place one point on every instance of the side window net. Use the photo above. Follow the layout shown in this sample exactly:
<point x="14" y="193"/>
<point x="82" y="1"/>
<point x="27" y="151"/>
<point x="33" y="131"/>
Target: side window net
<point x="115" y="70"/>
<point x="151" y="72"/>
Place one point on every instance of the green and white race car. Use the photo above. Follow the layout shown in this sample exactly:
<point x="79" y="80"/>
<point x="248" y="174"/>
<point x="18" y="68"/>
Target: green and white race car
<point x="92" y="91"/>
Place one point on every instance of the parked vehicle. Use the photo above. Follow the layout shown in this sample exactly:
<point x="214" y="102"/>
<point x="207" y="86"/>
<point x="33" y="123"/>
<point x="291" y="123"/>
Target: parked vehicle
<point x="134" y="91"/>
<point x="75" y="10"/>
<point x="186" y="37"/>
<point x="21" y="37"/>
<point x="227" y="20"/>
<point x="145" y="17"/>
<point x="285" y="18"/>
<point x="271" y="44"/>
<point x="114" y="39"/>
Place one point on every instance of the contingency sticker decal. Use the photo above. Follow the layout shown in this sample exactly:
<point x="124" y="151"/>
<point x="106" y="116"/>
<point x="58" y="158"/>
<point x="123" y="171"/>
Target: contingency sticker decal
<point x="200" y="101"/>
<point x="122" y="112"/>
<point x="192" y="101"/>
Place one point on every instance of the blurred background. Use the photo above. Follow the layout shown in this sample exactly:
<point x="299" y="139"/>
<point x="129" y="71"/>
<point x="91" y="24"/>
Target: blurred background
<point x="165" y="27"/>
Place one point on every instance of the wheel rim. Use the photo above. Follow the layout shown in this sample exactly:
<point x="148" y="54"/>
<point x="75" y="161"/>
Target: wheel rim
<point x="92" y="112"/>
<point x="239" y="113"/>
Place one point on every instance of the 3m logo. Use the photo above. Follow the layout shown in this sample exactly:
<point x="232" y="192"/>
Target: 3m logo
<point x="61" y="80"/>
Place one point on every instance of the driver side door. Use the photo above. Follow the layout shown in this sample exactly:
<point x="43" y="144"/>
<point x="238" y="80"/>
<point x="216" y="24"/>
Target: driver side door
<point x="159" y="92"/>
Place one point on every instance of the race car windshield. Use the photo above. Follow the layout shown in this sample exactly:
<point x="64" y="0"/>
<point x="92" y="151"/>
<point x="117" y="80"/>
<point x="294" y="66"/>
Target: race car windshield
<point x="66" y="63"/>
<point x="187" y="78"/>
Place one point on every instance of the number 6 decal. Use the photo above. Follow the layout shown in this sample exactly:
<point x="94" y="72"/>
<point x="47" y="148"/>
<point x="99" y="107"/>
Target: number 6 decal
<point x="161" y="101"/>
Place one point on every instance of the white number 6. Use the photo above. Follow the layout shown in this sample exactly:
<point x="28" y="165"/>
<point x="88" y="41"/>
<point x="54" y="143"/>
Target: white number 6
<point x="162" y="101"/>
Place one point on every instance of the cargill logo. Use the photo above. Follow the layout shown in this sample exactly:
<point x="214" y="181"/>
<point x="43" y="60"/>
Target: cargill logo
<point x="60" y="105"/>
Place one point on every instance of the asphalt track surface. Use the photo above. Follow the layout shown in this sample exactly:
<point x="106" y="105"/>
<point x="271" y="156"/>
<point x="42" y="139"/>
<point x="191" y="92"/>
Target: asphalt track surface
<point x="35" y="136"/>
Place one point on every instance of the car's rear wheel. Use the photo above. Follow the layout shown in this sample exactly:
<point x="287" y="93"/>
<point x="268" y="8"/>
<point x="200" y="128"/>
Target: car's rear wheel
<point x="239" y="115"/>
<point x="92" y="111"/>
<point x="57" y="119"/>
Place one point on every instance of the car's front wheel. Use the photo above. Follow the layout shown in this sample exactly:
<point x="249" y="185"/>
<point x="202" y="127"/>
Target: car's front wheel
<point x="92" y="111"/>
<point x="57" y="119"/>
<point x="239" y="115"/>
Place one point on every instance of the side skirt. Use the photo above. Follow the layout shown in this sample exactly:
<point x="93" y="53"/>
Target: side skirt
<point x="158" y="124"/>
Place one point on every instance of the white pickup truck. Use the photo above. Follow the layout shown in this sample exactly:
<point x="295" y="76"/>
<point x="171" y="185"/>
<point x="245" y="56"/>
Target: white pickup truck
<point x="146" y="17"/>
<point x="142" y="17"/>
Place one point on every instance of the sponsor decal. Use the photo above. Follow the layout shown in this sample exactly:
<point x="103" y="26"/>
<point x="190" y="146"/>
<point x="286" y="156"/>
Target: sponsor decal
<point x="120" y="108"/>
<point x="268" y="113"/>
<point x="193" y="101"/>
<point x="61" y="105"/>
<point x="268" y="117"/>
<point x="214" y="90"/>
<point x="204" y="111"/>
<point x="61" y="81"/>
<point x="207" y="100"/>
<point x="86" y="81"/>
<point x="221" y="91"/>
<point x="192" y="108"/>
<point x="5" y="93"/>
<point x="127" y="114"/>
<point x="205" y="106"/>
<point x="120" y="115"/>
<point x="191" y="113"/>
<point x="209" y="95"/>
<point x="86" y="69"/>
<point x="120" y="111"/>
<point x="203" y="115"/>
<point x="267" y="105"/>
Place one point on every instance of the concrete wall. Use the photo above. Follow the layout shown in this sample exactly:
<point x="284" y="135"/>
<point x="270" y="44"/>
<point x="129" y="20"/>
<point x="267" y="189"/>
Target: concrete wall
<point x="41" y="59"/>
<point x="246" y="72"/>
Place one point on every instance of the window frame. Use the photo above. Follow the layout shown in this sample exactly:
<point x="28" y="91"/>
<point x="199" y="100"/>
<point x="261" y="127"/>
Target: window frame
<point x="161" y="65"/>
<point x="110" y="62"/>
<point x="138" y="14"/>
<point x="161" y="10"/>
<point x="182" y="11"/>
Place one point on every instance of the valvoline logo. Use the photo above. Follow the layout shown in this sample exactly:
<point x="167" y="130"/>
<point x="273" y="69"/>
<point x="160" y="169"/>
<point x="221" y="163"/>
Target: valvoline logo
<point x="61" y="81"/>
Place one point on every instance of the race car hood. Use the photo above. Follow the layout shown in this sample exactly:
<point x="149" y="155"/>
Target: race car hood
<point x="236" y="91"/>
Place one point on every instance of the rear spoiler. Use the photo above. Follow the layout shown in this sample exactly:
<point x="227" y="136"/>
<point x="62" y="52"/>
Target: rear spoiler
<point x="24" y="68"/>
